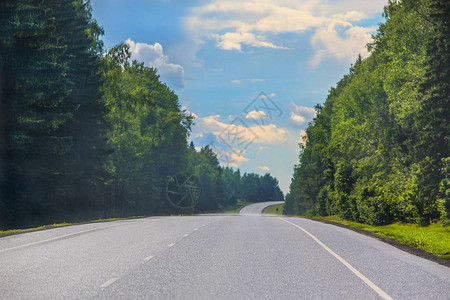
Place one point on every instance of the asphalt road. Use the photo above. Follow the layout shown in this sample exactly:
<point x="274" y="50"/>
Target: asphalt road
<point x="257" y="208"/>
<point x="213" y="257"/>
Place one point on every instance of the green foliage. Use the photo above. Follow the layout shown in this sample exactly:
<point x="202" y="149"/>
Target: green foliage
<point x="444" y="193"/>
<point x="50" y="111"/>
<point x="86" y="134"/>
<point x="274" y="209"/>
<point x="225" y="187"/>
<point x="375" y="152"/>
<point x="148" y="133"/>
<point x="235" y="208"/>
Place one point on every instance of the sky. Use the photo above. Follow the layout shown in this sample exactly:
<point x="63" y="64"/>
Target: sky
<point x="250" y="71"/>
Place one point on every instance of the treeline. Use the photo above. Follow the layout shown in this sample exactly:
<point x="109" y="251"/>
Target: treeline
<point x="88" y="134"/>
<point x="378" y="150"/>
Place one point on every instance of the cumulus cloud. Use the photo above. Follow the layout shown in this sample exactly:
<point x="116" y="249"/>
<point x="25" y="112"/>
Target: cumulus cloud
<point x="264" y="168"/>
<point x="263" y="134"/>
<point x="329" y="43"/>
<point x="237" y="23"/>
<point x="351" y="16"/>
<point x="237" y="159"/>
<point x="228" y="157"/>
<point x="256" y="115"/>
<point x="153" y="56"/>
<point x="297" y="120"/>
<point x="301" y="114"/>
<point x="235" y="40"/>
<point x="231" y="139"/>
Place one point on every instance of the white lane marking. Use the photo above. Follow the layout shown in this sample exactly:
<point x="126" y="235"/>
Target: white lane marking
<point x="148" y="258"/>
<point x="170" y="245"/>
<point x="185" y="235"/>
<point x="203" y="225"/>
<point x="195" y="229"/>
<point x="378" y="290"/>
<point x="58" y="238"/>
<point x="109" y="282"/>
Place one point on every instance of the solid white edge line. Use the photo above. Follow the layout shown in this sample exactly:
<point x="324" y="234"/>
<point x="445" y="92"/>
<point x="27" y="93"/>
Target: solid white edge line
<point x="109" y="282"/>
<point x="148" y="258"/>
<point x="366" y="280"/>
<point x="57" y="238"/>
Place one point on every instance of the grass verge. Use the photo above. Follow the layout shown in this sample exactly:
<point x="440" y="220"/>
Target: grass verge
<point x="44" y="227"/>
<point x="234" y="209"/>
<point x="433" y="239"/>
<point x="272" y="210"/>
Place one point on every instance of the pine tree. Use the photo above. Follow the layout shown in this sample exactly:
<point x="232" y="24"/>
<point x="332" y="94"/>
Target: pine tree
<point x="432" y="124"/>
<point x="33" y="86"/>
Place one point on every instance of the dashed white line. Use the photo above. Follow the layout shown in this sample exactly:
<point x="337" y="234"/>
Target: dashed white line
<point x="195" y="229"/>
<point x="374" y="287"/>
<point x="170" y="245"/>
<point x="185" y="235"/>
<point x="148" y="258"/>
<point x="203" y="225"/>
<point x="109" y="282"/>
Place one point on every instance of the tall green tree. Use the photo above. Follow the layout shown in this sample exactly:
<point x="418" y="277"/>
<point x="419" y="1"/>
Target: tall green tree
<point x="375" y="152"/>
<point x="33" y="87"/>
<point x="148" y="134"/>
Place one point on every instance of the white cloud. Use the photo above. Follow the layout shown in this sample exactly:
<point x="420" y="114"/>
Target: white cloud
<point x="237" y="81"/>
<point x="264" y="168"/>
<point x="264" y="134"/>
<point x="234" y="41"/>
<point x="301" y="114"/>
<point x="153" y="56"/>
<point x="297" y="120"/>
<point x="256" y="115"/>
<point x="237" y="160"/>
<point x="237" y="23"/>
<point x="329" y="43"/>
<point x="351" y="16"/>
<point x="229" y="158"/>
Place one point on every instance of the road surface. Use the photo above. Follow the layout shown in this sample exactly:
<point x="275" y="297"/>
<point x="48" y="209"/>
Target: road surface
<point x="257" y="208"/>
<point x="212" y="257"/>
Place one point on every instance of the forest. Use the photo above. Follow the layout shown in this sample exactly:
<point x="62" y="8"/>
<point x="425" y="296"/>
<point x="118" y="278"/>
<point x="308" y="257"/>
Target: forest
<point x="378" y="150"/>
<point x="87" y="133"/>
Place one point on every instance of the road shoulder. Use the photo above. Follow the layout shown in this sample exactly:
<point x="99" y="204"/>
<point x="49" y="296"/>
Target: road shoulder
<point x="407" y="248"/>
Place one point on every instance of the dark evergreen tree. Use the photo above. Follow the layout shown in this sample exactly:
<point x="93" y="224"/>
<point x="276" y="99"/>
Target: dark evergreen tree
<point x="433" y="126"/>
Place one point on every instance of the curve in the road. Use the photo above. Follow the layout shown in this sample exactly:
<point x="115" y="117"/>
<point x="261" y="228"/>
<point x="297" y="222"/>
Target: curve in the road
<point x="257" y="208"/>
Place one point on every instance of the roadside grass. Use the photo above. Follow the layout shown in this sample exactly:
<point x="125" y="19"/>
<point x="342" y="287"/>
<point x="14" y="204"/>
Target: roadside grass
<point x="50" y="226"/>
<point x="234" y="209"/>
<point x="434" y="238"/>
<point x="272" y="210"/>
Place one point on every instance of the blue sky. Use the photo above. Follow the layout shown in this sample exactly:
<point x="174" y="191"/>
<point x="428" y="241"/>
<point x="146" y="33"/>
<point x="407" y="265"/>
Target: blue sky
<point x="250" y="71"/>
